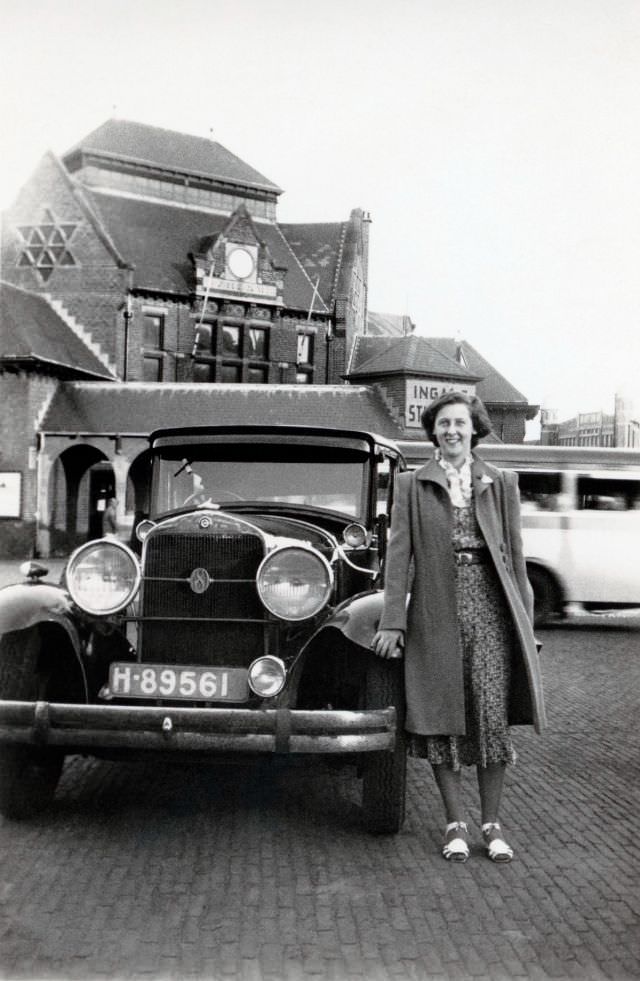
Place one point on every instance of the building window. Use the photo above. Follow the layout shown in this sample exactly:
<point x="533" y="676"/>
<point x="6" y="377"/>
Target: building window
<point x="153" y="336"/>
<point x="46" y="245"/>
<point x="153" y="344"/>
<point x="304" y="359"/>
<point x="231" y="353"/>
<point x="152" y="368"/>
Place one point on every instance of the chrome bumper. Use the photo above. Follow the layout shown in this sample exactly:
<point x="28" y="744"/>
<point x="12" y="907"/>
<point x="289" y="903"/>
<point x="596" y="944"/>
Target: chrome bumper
<point x="214" y="730"/>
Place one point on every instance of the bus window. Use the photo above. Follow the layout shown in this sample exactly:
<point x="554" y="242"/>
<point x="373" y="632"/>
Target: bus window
<point x="539" y="491"/>
<point x="608" y="494"/>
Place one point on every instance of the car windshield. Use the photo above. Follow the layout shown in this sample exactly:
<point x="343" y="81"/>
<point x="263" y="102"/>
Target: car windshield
<point x="314" y="476"/>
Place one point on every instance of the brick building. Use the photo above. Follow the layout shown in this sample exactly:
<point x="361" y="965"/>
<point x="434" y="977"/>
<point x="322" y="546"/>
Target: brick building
<point x="153" y="256"/>
<point x="409" y="372"/>
<point x="146" y="280"/>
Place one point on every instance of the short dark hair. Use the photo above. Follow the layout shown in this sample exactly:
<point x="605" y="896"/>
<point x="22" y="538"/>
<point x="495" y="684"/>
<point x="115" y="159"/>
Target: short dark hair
<point x="477" y="411"/>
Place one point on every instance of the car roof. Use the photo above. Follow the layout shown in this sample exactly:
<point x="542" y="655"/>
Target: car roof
<point x="267" y="434"/>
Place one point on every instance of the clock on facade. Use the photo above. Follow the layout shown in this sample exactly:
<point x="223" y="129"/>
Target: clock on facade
<point x="240" y="263"/>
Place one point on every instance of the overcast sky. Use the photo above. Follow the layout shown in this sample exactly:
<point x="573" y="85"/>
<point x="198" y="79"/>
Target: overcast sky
<point x="496" y="144"/>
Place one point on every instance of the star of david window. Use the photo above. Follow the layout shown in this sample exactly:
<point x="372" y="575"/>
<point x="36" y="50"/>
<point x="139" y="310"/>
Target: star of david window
<point x="46" y="245"/>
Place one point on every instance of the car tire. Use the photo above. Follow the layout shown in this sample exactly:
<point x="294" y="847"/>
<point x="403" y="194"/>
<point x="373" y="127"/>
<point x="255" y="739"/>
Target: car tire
<point x="546" y="600"/>
<point x="384" y="776"/>
<point x="28" y="775"/>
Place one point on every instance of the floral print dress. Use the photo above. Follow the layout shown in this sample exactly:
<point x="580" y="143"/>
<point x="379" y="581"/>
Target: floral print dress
<point x="486" y="637"/>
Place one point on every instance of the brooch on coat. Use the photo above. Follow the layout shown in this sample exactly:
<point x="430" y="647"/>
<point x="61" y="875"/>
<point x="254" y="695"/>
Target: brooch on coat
<point x="486" y="479"/>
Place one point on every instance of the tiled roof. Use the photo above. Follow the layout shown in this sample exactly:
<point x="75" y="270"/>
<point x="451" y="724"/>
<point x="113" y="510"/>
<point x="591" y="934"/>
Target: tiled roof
<point x="493" y="387"/>
<point x="156" y="238"/>
<point x="32" y="332"/>
<point x="386" y="356"/>
<point x="389" y="324"/>
<point x="318" y="246"/>
<point x="140" y="408"/>
<point x="126" y="140"/>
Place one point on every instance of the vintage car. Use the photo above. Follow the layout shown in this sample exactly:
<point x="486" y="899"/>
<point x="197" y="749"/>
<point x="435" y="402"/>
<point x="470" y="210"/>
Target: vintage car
<point x="239" y="622"/>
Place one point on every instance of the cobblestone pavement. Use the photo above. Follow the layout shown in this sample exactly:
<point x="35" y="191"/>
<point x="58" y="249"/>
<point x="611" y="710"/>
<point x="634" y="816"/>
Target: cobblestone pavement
<point x="145" y="871"/>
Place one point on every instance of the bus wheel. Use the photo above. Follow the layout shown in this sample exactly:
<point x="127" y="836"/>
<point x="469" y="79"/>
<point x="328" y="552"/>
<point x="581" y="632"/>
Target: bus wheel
<point x="546" y="600"/>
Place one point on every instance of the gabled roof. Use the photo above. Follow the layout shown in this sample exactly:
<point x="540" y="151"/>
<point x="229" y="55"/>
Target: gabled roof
<point x="319" y="247"/>
<point x="139" y="408"/>
<point x="157" y="238"/>
<point x="33" y="335"/>
<point x="389" y="324"/>
<point x="493" y="387"/>
<point x="413" y="355"/>
<point x="125" y="140"/>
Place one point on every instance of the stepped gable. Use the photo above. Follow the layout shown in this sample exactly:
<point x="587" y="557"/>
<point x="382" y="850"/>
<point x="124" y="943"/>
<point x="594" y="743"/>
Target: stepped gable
<point x="33" y="334"/>
<point x="137" y="408"/>
<point x="163" y="149"/>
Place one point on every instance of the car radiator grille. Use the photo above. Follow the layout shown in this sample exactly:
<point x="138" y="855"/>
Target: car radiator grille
<point x="186" y="632"/>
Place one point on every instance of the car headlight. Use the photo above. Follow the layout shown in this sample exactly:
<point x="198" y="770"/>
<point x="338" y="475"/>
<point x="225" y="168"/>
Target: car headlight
<point x="294" y="583"/>
<point x="355" y="535"/>
<point x="103" y="577"/>
<point x="267" y="676"/>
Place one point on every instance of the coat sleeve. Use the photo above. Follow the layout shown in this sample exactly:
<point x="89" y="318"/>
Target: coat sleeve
<point x="398" y="559"/>
<point x="514" y="527"/>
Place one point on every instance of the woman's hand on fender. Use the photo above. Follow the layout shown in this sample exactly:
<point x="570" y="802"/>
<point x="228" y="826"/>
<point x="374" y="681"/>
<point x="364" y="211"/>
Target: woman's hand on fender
<point x="388" y="643"/>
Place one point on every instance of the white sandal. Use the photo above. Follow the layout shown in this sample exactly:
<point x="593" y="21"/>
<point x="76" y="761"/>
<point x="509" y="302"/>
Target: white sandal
<point x="497" y="848"/>
<point x="456" y="849"/>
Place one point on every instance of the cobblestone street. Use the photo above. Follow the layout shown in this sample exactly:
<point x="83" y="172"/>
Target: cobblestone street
<point x="144" y="871"/>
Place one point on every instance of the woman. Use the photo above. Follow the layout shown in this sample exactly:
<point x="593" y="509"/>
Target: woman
<point x="471" y="663"/>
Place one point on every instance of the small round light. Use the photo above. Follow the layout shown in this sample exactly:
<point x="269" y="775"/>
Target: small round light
<point x="294" y="583"/>
<point x="143" y="529"/>
<point x="355" y="535"/>
<point x="103" y="577"/>
<point x="267" y="676"/>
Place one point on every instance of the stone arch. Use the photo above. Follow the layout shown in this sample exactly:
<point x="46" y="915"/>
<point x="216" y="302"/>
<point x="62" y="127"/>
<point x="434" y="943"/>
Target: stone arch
<point x="80" y="477"/>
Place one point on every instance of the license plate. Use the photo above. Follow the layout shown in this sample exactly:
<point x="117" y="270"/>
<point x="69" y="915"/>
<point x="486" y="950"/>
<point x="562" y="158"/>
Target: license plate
<point x="181" y="681"/>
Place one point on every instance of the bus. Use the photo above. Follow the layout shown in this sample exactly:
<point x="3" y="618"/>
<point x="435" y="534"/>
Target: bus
<point x="580" y="522"/>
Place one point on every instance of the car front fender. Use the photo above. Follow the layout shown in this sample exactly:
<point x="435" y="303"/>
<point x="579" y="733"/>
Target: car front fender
<point x="24" y="606"/>
<point x="357" y="618"/>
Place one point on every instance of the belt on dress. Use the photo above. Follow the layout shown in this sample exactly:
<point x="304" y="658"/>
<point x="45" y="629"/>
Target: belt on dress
<point x="475" y="556"/>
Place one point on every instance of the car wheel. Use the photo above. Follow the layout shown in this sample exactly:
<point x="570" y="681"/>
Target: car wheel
<point x="28" y="775"/>
<point x="384" y="776"/>
<point x="545" y="595"/>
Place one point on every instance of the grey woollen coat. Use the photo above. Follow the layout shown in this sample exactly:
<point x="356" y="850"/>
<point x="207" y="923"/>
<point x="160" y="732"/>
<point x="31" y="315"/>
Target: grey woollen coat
<point x="420" y="561"/>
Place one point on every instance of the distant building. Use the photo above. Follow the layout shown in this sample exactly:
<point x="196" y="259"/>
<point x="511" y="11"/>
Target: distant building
<point x="620" y="429"/>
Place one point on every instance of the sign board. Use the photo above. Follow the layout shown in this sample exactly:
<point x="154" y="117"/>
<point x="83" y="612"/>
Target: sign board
<point x="421" y="392"/>
<point x="10" y="494"/>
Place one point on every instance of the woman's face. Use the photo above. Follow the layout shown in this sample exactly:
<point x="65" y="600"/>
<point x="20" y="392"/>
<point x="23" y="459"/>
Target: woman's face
<point x="453" y="431"/>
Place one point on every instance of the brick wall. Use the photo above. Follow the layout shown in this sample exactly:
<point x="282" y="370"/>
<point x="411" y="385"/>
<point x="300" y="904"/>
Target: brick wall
<point x="26" y="394"/>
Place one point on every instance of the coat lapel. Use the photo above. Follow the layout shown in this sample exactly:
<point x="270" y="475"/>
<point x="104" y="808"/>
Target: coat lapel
<point x="432" y="471"/>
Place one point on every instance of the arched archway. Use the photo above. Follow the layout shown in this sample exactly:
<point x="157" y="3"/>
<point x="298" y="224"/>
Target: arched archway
<point x="81" y="481"/>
